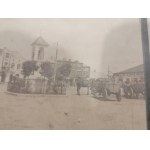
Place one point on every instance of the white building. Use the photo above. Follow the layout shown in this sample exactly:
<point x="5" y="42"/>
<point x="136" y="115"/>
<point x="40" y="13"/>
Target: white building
<point x="10" y="62"/>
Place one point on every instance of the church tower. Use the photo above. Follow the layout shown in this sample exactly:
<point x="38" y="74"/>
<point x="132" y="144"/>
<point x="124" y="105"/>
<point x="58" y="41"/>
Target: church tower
<point x="38" y="48"/>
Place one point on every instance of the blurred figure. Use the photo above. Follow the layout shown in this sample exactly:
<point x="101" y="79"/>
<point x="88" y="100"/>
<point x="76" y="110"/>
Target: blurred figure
<point x="79" y="84"/>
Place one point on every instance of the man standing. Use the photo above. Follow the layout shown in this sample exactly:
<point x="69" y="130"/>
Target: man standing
<point x="79" y="84"/>
<point x="3" y="76"/>
<point x="127" y="88"/>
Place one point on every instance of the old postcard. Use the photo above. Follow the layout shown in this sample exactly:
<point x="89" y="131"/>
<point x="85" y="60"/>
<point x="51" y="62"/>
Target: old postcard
<point x="71" y="74"/>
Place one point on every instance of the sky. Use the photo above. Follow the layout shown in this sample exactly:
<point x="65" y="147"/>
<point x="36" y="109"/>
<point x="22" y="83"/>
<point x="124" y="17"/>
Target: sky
<point x="98" y="43"/>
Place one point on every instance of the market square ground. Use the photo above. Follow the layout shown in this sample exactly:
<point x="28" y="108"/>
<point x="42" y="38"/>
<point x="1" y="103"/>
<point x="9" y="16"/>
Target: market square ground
<point x="70" y="112"/>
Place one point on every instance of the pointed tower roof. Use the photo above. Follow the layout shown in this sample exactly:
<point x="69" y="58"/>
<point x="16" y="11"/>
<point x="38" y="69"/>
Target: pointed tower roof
<point x="40" y="41"/>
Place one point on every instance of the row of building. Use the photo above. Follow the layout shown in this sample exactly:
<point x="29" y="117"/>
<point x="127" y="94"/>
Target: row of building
<point x="78" y="69"/>
<point x="11" y="61"/>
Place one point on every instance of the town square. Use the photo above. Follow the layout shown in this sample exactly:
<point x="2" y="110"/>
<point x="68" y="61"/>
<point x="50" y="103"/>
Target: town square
<point x="65" y="82"/>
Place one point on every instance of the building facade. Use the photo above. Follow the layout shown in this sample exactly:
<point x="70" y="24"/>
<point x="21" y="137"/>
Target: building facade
<point x="38" y="54"/>
<point x="132" y="74"/>
<point x="78" y="69"/>
<point x="10" y="63"/>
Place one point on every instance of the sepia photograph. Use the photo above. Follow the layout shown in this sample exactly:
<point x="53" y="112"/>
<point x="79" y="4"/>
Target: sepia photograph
<point x="72" y="74"/>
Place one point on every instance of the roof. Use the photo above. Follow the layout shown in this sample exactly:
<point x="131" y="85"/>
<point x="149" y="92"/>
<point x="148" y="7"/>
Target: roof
<point x="136" y="69"/>
<point x="40" y="41"/>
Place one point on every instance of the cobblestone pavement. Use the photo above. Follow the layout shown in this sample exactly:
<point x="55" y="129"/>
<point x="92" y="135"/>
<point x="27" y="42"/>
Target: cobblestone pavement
<point x="70" y="112"/>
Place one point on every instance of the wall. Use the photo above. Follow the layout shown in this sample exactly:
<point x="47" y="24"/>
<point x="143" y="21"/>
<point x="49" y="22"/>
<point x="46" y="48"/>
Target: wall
<point x="131" y="76"/>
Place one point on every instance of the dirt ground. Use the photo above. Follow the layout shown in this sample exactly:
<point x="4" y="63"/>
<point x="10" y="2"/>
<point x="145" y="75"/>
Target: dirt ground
<point x="70" y="112"/>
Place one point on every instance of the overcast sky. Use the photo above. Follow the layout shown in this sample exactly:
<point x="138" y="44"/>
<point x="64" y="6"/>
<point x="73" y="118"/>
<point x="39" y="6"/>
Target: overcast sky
<point x="95" y="42"/>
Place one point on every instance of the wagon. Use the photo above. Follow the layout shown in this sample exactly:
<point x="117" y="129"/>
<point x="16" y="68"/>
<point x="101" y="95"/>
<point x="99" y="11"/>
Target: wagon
<point x="114" y="88"/>
<point x="106" y="88"/>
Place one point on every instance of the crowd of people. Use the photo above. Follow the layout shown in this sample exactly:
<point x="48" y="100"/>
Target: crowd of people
<point x="36" y="85"/>
<point x="133" y="88"/>
<point x="129" y="88"/>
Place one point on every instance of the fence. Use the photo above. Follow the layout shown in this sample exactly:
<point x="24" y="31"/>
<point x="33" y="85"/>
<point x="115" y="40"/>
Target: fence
<point x="37" y="86"/>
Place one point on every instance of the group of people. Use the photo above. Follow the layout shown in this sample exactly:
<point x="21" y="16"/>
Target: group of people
<point x="129" y="88"/>
<point x="133" y="88"/>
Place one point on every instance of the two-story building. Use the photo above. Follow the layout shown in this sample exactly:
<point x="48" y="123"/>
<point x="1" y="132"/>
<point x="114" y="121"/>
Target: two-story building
<point x="10" y="62"/>
<point x="78" y="69"/>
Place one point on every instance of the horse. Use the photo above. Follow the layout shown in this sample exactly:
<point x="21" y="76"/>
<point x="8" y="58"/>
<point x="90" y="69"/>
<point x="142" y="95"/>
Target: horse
<point x="83" y="83"/>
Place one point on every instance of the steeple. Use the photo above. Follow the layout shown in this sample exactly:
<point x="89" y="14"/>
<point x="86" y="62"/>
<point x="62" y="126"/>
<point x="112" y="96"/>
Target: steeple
<point x="38" y="47"/>
<point x="40" y="41"/>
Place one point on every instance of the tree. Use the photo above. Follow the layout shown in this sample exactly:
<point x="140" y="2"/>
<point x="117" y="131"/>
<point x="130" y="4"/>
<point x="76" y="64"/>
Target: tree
<point x="29" y="67"/>
<point x="47" y="69"/>
<point x="63" y="71"/>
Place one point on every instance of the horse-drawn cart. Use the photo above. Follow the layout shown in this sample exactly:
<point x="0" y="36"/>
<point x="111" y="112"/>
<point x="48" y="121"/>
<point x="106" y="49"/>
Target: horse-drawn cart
<point x="114" y="88"/>
<point x="105" y="88"/>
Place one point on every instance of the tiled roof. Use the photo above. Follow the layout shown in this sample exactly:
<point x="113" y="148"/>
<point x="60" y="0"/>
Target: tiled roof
<point x="136" y="69"/>
<point x="40" y="41"/>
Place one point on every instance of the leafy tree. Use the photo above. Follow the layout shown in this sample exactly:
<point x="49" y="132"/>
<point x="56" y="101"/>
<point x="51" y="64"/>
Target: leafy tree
<point x="47" y="69"/>
<point x="63" y="71"/>
<point x="29" y="67"/>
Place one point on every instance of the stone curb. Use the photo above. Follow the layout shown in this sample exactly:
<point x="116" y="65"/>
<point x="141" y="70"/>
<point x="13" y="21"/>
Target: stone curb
<point x="34" y="95"/>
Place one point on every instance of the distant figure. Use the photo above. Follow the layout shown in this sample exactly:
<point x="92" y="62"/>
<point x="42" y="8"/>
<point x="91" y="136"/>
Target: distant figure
<point x="127" y="89"/>
<point x="79" y="85"/>
<point x="3" y="76"/>
<point x="11" y="78"/>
